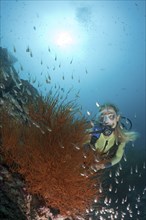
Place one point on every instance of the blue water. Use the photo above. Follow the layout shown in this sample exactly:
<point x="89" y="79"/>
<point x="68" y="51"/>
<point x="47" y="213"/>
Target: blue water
<point x="94" y="48"/>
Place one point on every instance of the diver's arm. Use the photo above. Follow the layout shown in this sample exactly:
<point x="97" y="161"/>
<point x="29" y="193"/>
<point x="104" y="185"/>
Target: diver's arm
<point x="89" y="130"/>
<point x="88" y="140"/>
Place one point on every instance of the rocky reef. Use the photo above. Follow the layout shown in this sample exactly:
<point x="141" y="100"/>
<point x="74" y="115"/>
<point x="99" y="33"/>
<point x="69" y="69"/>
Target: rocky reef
<point x="15" y="95"/>
<point x="26" y="149"/>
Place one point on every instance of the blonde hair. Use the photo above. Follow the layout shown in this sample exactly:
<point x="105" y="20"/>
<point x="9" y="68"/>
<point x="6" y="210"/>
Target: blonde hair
<point x="121" y="134"/>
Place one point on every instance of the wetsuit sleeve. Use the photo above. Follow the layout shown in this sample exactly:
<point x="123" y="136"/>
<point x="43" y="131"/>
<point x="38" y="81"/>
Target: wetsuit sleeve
<point x="117" y="157"/>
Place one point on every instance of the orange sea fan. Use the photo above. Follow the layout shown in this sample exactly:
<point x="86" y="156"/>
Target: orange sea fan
<point x="48" y="152"/>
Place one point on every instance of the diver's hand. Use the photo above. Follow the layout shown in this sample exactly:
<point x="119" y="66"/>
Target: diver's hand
<point x="99" y="166"/>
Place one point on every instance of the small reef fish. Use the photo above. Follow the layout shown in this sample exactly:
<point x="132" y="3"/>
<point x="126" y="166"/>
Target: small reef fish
<point x="28" y="49"/>
<point x="71" y="61"/>
<point x="14" y="49"/>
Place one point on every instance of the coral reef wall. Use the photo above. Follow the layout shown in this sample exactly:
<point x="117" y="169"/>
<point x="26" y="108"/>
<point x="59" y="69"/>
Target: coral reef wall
<point x="44" y="142"/>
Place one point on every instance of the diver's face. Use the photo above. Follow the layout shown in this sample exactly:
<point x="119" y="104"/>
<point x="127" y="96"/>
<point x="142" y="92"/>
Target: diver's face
<point x="109" y="117"/>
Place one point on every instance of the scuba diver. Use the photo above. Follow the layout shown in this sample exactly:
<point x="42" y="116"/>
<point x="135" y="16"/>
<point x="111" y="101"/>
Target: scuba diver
<point x="110" y="136"/>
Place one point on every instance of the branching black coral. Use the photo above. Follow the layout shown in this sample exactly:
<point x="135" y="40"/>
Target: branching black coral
<point x="49" y="153"/>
